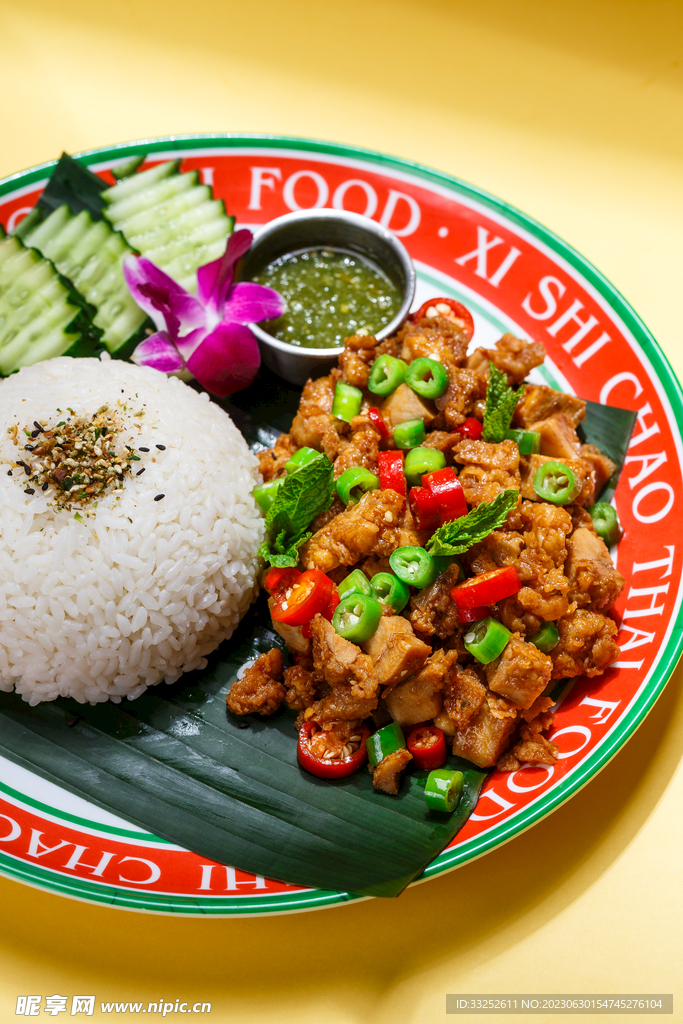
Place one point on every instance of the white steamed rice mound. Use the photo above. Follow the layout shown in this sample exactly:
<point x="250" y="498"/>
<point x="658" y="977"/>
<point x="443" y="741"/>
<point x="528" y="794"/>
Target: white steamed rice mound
<point x="141" y="590"/>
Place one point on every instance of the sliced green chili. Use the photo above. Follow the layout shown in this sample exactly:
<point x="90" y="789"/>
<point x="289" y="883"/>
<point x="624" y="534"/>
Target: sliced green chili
<point x="357" y="617"/>
<point x="442" y="790"/>
<point x="409" y="434"/>
<point x="386" y="375"/>
<point x="427" y="378"/>
<point x="414" y="566"/>
<point x="354" y="482"/>
<point x="300" y="458"/>
<point x="420" y="461"/>
<point x="547" y="637"/>
<point x="606" y="522"/>
<point x="347" y="401"/>
<point x="265" y="494"/>
<point x="355" y="583"/>
<point x="486" y="639"/>
<point x="528" y="441"/>
<point x="389" y="589"/>
<point x="383" y="742"/>
<point x="556" y="483"/>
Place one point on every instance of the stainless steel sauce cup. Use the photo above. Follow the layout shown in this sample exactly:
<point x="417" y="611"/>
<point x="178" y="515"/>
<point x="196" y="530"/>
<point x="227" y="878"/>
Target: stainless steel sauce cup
<point x="334" y="229"/>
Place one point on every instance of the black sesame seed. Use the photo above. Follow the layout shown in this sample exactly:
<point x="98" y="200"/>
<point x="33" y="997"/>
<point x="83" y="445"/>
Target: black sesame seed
<point x="143" y="449"/>
<point x="9" y="472"/>
<point x="45" y="485"/>
<point x="28" y="447"/>
<point x="27" y="469"/>
<point x="140" y="471"/>
<point x="34" y="433"/>
<point x="161" y="447"/>
<point x="159" y="497"/>
<point x="29" y="490"/>
<point x="38" y="426"/>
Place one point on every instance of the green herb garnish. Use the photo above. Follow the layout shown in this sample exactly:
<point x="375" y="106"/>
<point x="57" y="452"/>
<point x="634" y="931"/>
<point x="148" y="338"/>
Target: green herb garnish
<point x="457" y="536"/>
<point x="501" y="401"/>
<point x="303" y="495"/>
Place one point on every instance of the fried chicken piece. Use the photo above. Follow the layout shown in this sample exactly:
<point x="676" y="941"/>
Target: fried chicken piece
<point x="500" y="548"/>
<point x="433" y="610"/>
<point x="463" y="695"/>
<point x="293" y="636"/>
<point x="420" y="698"/>
<point x="314" y="415"/>
<point x="521" y="673"/>
<point x="272" y="460"/>
<point x="484" y="738"/>
<point x="602" y="466"/>
<point x="518" y="619"/>
<point x="433" y="338"/>
<point x="340" y="662"/>
<point x="354" y="533"/>
<point x="559" y="439"/>
<point x="259" y="690"/>
<point x="487" y="469"/>
<point x="512" y="356"/>
<point x="301" y="687"/>
<point x="465" y="389"/>
<point x="532" y="747"/>
<point x="404" y="534"/>
<point x="544" y="528"/>
<point x="395" y="651"/>
<point x="360" y="451"/>
<point x="593" y="580"/>
<point x="404" y="404"/>
<point x="385" y="775"/>
<point x="357" y="358"/>
<point x="539" y="402"/>
<point x="587" y="645"/>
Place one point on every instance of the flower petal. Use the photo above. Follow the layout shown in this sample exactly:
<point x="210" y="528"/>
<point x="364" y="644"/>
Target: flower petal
<point x="168" y="304"/>
<point x="214" y="279"/>
<point x="227" y="360"/>
<point x="159" y="352"/>
<point x="249" y="303"/>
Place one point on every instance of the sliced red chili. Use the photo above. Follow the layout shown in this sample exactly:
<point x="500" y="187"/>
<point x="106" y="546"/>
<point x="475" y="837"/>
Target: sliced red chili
<point x="329" y="767"/>
<point x="327" y="613"/>
<point x="307" y="596"/>
<point x="472" y="429"/>
<point x="472" y="614"/>
<point x="424" y="508"/>
<point x="428" y="747"/>
<point x="276" y="578"/>
<point x="449" y="309"/>
<point x="390" y="471"/>
<point x="377" y="421"/>
<point x="487" y="588"/>
<point x="447" y="490"/>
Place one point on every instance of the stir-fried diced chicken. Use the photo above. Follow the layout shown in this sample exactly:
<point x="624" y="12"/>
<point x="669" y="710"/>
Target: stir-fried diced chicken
<point x="403" y="404"/>
<point x="465" y="389"/>
<point x="385" y="775"/>
<point x="420" y="698"/>
<point x="395" y="651"/>
<point x="511" y="355"/>
<point x="521" y="673"/>
<point x="433" y="338"/>
<point x="301" y="686"/>
<point x="340" y="662"/>
<point x="314" y="416"/>
<point x="360" y="451"/>
<point x="581" y="468"/>
<point x="487" y="469"/>
<point x="593" y="580"/>
<point x="464" y="694"/>
<point x="484" y="738"/>
<point x="433" y="611"/>
<point x="357" y="358"/>
<point x="559" y="440"/>
<point x="259" y="691"/>
<point x="539" y="402"/>
<point x="601" y="465"/>
<point x="354" y="533"/>
<point x="272" y="461"/>
<point x="587" y="645"/>
<point x="404" y="534"/>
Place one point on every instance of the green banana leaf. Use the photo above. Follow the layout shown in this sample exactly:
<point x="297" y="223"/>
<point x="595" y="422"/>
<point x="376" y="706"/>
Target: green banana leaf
<point x="73" y="184"/>
<point x="609" y="429"/>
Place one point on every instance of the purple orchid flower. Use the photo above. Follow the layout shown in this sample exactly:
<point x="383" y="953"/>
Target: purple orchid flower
<point x="204" y="333"/>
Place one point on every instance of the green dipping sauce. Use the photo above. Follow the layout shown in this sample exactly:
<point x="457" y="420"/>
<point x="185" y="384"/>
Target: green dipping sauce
<point x="330" y="294"/>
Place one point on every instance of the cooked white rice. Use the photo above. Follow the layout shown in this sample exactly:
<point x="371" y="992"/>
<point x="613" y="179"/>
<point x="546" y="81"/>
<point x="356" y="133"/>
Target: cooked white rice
<point x="141" y="590"/>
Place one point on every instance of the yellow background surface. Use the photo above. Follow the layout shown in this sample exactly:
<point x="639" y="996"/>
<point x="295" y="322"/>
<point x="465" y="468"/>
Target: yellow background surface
<point x="572" y="111"/>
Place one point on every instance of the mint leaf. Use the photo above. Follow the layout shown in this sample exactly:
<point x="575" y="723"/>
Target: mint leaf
<point x="304" y="494"/>
<point x="501" y="401"/>
<point x="459" y="535"/>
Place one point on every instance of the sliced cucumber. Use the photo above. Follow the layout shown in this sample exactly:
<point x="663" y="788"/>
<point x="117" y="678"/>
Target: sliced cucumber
<point x="128" y="167"/>
<point x="171" y="219"/>
<point x="90" y="253"/>
<point x="40" y="315"/>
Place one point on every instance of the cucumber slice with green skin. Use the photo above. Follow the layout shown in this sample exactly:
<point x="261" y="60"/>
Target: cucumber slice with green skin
<point x="140" y="181"/>
<point x="41" y="315"/>
<point x="118" y="212"/>
<point x="173" y="221"/>
<point x="128" y="167"/>
<point x="90" y="253"/>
